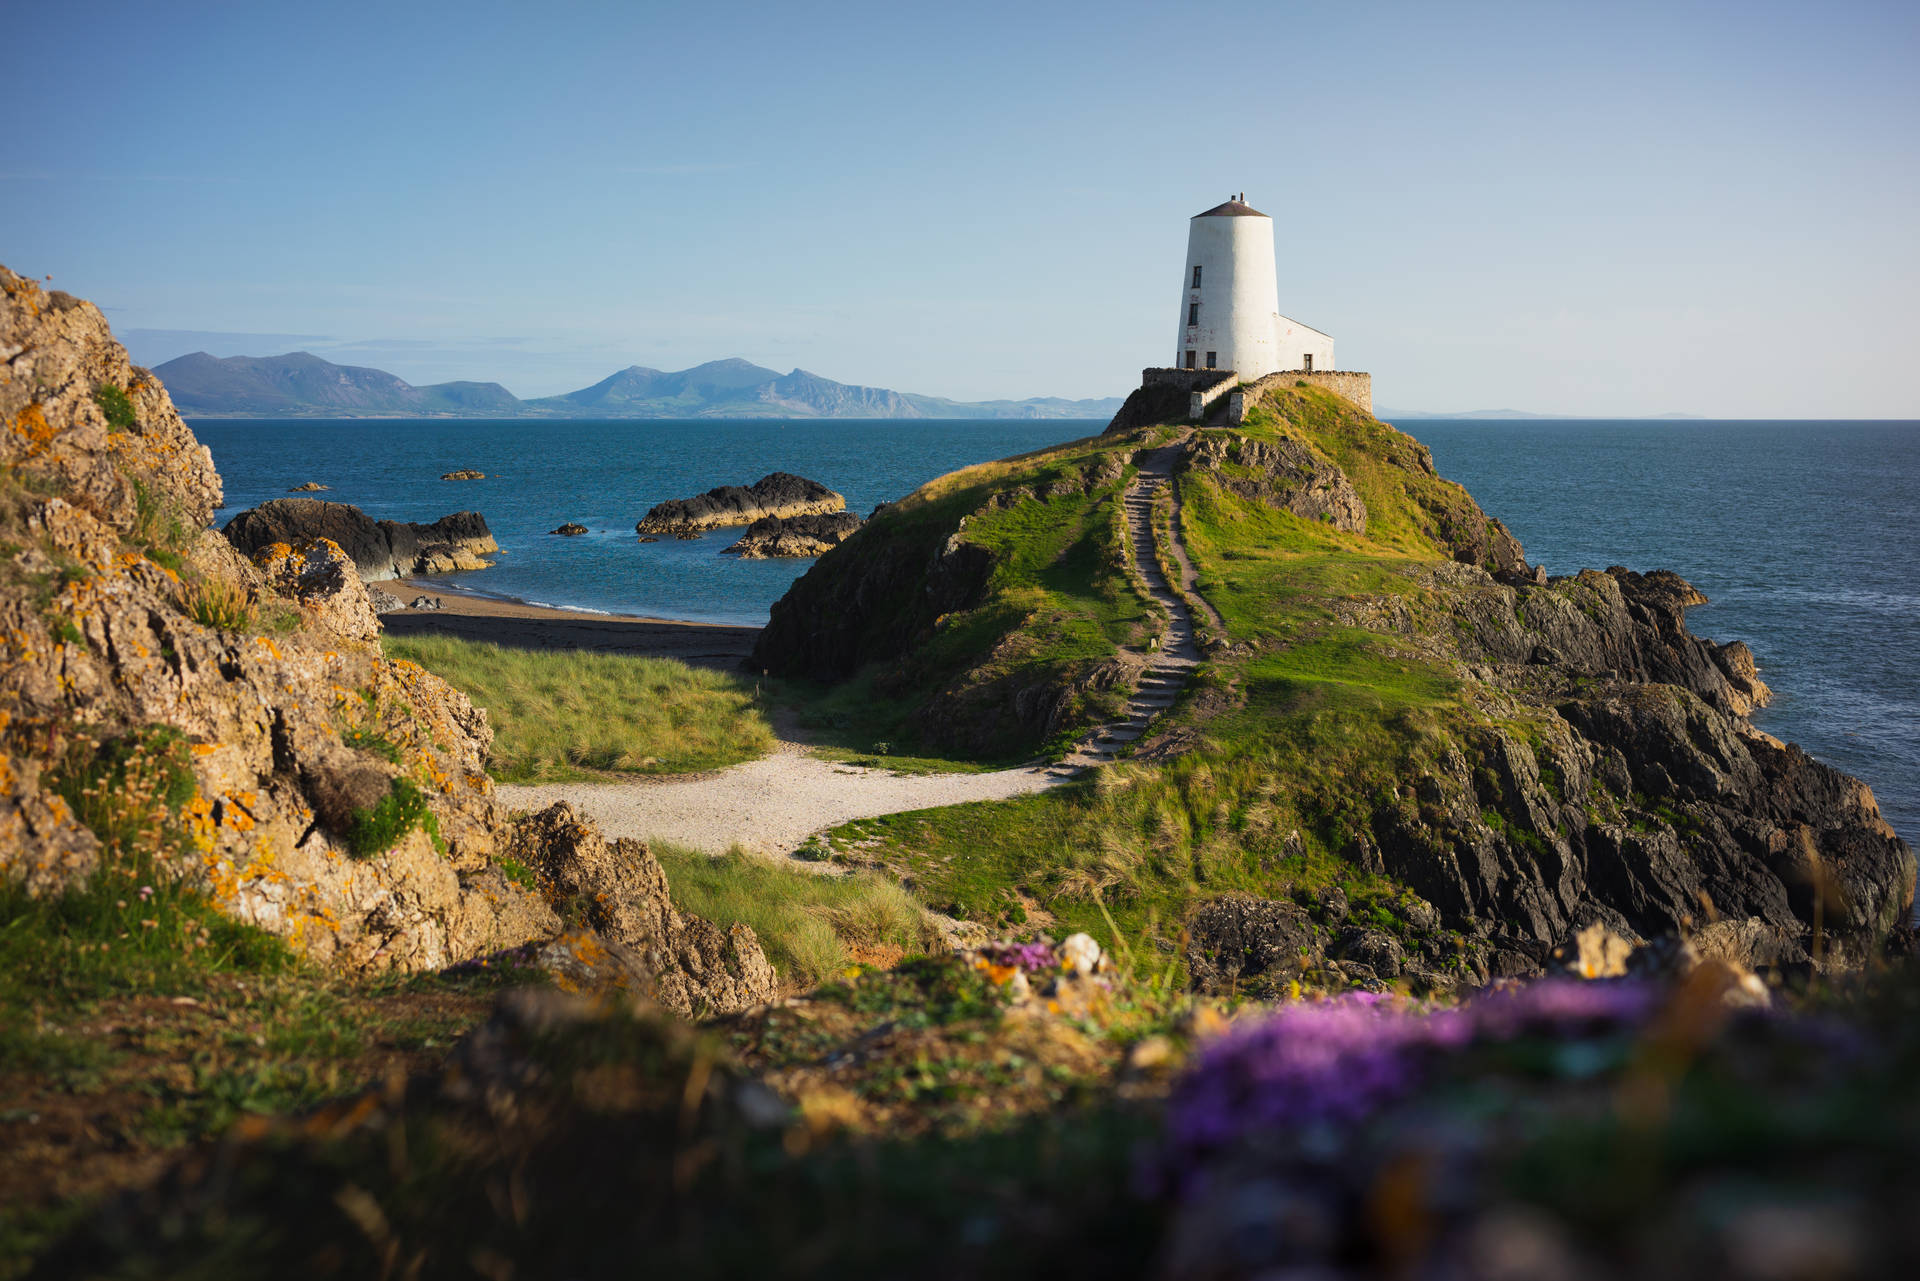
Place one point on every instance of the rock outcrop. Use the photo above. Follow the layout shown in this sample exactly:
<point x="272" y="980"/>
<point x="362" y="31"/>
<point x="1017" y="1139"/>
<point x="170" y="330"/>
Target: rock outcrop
<point x="772" y="537"/>
<point x="238" y="713"/>
<point x="465" y="473"/>
<point x="777" y="494"/>
<point x="1286" y="475"/>
<point x="571" y="529"/>
<point x="381" y="549"/>
<point x="619" y="890"/>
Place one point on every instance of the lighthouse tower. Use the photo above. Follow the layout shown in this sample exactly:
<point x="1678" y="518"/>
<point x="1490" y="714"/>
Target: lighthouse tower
<point x="1230" y="301"/>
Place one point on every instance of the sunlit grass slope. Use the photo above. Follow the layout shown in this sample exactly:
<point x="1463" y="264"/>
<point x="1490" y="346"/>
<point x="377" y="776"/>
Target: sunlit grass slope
<point x="559" y="715"/>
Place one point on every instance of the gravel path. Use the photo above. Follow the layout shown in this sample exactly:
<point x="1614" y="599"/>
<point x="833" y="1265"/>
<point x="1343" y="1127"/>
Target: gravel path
<point x="772" y="805"/>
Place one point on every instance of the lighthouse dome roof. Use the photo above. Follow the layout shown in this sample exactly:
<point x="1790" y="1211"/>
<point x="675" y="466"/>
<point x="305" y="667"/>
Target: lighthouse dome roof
<point x="1232" y="209"/>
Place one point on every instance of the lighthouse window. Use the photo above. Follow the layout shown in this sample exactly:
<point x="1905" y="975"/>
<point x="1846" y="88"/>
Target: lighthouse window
<point x="1193" y="313"/>
<point x="1189" y="359"/>
<point x="1308" y="367"/>
<point x="1213" y="360"/>
<point x="1196" y="277"/>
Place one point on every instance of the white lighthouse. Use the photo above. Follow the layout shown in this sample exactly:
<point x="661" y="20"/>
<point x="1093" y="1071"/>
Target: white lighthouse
<point x="1230" y="300"/>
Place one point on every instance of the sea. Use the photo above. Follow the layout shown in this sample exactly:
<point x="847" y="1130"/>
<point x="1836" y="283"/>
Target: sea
<point x="1804" y="536"/>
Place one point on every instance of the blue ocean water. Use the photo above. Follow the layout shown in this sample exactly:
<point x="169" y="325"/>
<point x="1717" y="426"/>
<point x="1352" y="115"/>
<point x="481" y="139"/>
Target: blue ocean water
<point x="1804" y="535"/>
<point x="604" y="475"/>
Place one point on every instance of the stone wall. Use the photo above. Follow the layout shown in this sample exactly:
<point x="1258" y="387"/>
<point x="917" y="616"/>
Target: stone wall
<point x="1350" y="384"/>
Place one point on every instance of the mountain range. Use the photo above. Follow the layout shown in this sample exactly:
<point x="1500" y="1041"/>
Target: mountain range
<point x="302" y="385"/>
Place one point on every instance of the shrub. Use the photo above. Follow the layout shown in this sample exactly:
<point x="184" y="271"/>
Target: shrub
<point x="117" y="406"/>
<point x="383" y="825"/>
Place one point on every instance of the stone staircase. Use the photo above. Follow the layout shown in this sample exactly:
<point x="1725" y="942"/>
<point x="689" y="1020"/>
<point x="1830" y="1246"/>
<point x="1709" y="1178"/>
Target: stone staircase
<point x="1179" y="653"/>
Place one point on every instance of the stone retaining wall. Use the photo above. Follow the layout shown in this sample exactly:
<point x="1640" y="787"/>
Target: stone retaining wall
<point x="1352" y="385"/>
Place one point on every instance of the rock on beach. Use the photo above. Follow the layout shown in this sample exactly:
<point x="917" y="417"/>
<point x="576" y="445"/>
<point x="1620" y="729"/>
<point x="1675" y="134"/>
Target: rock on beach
<point x="380" y="549"/>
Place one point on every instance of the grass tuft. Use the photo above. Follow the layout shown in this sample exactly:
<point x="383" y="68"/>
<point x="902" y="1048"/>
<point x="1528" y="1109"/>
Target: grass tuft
<point x="384" y="824"/>
<point x="218" y="604"/>
<point x="117" y="406"/>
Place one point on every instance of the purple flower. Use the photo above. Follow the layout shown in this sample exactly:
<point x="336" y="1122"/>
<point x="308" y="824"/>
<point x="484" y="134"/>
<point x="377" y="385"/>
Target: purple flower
<point x="1341" y="1061"/>
<point x="1033" y="958"/>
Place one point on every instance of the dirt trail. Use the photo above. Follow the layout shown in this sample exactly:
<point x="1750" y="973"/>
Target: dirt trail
<point x="773" y="805"/>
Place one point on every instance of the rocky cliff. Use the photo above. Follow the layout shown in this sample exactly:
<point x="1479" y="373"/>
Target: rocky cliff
<point x="1395" y="690"/>
<point x="169" y="705"/>
<point x="779" y="494"/>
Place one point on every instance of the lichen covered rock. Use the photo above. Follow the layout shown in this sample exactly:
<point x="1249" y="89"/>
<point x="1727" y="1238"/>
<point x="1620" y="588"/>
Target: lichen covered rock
<point x="620" y="890"/>
<point x="311" y="787"/>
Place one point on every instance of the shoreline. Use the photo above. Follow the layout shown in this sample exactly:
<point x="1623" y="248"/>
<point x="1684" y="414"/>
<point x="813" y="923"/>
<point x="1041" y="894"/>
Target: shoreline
<point x="515" y="624"/>
<point x="473" y="602"/>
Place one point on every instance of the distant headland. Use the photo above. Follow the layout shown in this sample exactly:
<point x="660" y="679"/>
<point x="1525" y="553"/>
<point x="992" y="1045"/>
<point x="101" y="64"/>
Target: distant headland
<point x="302" y="385"/>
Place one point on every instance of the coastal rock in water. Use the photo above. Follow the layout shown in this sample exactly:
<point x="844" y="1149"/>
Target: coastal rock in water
<point x="620" y="890"/>
<point x="464" y="473"/>
<point x="321" y="577"/>
<point x="797" y="536"/>
<point x="569" y="530"/>
<point x="311" y="487"/>
<point x="380" y="549"/>
<point x="778" y="494"/>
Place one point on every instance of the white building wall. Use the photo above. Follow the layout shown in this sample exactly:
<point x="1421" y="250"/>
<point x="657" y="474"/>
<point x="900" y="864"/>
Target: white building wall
<point x="1238" y="296"/>
<point x="1295" y="342"/>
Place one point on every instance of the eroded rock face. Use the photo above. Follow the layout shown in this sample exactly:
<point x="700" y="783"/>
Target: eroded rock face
<point x="773" y="537"/>
<point x="1285" y="475"/>
<point x="379" y="549"/>
<point x="620" y="890"/>
<point x="777" y="494"/>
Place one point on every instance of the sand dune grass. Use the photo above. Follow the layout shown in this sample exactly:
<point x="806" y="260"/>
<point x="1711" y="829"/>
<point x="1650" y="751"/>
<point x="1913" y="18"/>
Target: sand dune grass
<point x="811" y="925"/>
<point x="560" y="715"/>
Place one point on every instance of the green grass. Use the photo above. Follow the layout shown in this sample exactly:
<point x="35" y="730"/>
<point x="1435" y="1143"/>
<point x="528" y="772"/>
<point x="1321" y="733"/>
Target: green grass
<point x="386" y="822"/>
<point x="810" y="924"/>
<point x="117" y="406"/>
<point x="559" y="715"/>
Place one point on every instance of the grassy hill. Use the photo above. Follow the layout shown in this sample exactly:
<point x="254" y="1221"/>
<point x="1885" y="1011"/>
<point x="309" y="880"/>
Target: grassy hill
<point x="1399" y="710"/>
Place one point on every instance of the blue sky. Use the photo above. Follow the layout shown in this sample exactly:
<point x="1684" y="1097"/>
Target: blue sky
<point x="1605" y="209"/>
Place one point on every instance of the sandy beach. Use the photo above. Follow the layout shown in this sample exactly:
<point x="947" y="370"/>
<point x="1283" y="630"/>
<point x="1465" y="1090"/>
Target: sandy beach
<point x="523" y="626"/>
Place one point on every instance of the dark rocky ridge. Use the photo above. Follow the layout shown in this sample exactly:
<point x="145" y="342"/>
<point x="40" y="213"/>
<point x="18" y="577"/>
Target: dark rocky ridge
<point x="775" y="494"/>
<point x="794" y="536"/>
<point x="380" y="549"/>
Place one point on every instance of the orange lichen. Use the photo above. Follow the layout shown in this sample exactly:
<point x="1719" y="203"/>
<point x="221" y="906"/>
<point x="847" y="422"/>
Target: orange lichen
<point x="31" y="425"/>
